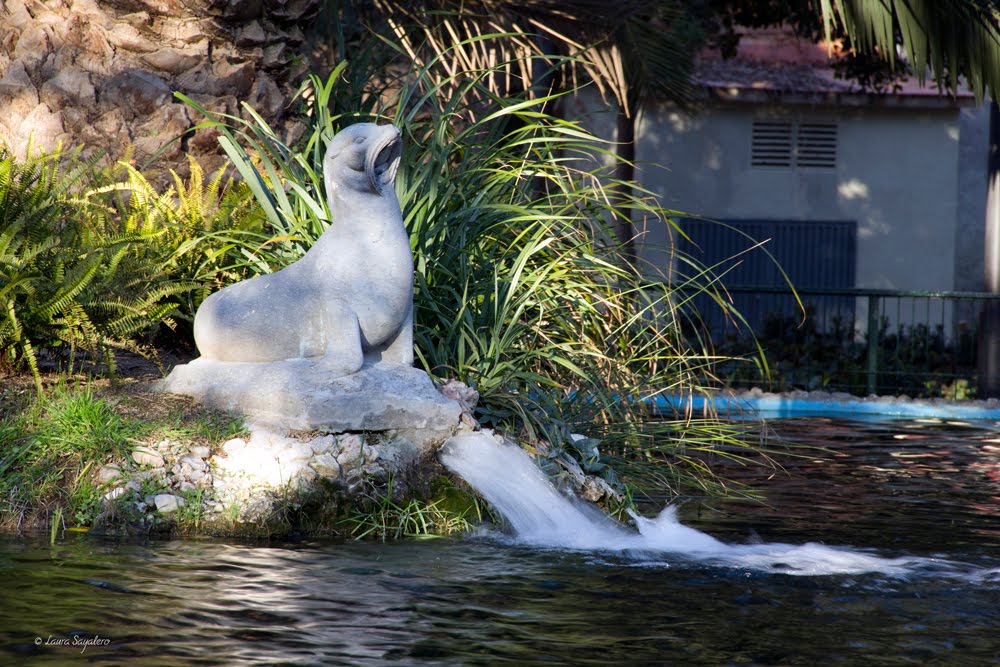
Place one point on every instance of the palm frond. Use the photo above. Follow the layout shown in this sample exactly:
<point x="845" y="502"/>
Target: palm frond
<point x="955" y="41"/>
<point x="625" y="49"/>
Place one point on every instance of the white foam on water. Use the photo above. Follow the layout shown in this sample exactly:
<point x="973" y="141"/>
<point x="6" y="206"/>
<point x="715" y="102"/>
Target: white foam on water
<point x="540" y="515"/>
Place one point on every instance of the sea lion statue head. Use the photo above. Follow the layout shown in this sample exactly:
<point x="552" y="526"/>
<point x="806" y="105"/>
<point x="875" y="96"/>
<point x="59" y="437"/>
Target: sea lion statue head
<point x="363" y="157"/>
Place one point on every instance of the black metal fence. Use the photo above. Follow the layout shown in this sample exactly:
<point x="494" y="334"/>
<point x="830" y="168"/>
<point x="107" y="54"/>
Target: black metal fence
<point x="862" y="341"/>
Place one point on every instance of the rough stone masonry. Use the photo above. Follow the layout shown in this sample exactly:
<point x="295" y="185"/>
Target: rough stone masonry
<point x="102" y="73"/>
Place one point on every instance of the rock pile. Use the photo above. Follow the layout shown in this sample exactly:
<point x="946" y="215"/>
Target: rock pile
<point x="249" y="481"/>
<point x="102" y="73"/>
<point x="250" y="485"/>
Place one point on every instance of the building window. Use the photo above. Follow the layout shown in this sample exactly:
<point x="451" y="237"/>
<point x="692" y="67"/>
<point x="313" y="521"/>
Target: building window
<point x="786" y="144"/>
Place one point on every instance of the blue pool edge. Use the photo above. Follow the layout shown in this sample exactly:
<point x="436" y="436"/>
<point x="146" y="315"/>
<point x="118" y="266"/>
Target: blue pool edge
<point x="776" y="406"/>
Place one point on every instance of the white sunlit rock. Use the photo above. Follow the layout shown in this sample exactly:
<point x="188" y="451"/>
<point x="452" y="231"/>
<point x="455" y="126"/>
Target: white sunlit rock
<point x="167" y="503"/>
<point x="147" y="457"/>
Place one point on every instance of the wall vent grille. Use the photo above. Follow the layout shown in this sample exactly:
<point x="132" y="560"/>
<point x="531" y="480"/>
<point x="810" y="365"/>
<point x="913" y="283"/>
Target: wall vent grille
<point x="785" y="144"/>
<point x="812" y="253"/>
<point x="816" y="145"/>
<point x="772" y="144"/>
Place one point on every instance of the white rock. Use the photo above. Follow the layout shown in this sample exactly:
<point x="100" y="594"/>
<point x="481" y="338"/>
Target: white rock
<point x="351" y="451"/>
<point x="146" y="457"/>
<point x="300" y="394"/>
<point x="294" y="454"/>
<point x="167" y="503"/>
<point x="466" y="396"/>
<point x="286" y="472"/>
<point x="326" y="465"/>
<point x="234" y="446"/>
<point x="322" y="444"/>
<point x="193" y="462"/>
<point x="201" y="451"/>
<point x="305" y="477"/>
<point x="108" y="473"/>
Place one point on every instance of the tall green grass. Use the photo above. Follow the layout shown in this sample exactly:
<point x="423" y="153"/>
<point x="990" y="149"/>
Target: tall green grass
<point x="521" y="289"/>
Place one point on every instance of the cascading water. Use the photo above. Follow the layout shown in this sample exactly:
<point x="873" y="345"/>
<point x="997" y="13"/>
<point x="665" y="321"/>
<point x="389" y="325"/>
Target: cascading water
<point x="510" y="481"/>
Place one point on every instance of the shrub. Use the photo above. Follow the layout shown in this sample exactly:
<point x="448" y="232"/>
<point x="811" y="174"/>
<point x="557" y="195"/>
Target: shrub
<point x="202" y="231"/>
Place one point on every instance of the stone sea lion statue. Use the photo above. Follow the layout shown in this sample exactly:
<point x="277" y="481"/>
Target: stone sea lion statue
<point x="349" y="299"/>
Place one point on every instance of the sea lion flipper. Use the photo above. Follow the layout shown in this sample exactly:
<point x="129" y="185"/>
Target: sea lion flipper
<point x="344" y="354"/>
<point x="400" y="349"/>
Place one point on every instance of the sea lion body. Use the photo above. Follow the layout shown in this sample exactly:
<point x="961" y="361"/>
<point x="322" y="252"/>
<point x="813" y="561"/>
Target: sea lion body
<point x="350" y="297"/>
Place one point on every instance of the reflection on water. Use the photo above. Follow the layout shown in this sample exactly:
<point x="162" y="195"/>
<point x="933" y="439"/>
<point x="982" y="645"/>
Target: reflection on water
<point x="926" y="486"/>
<point x="483" y="601"/>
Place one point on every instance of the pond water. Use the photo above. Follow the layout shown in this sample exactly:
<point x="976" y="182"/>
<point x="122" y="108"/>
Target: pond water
<point x="922" y="493"/>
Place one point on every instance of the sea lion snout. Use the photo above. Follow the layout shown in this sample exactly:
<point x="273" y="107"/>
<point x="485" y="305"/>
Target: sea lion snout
<point x="364" y="156"/>
<point x="383" y="158"/>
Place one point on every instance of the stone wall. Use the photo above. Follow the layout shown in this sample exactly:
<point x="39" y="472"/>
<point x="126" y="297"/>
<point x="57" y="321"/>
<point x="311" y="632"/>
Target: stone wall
<point x="102" y="73"/>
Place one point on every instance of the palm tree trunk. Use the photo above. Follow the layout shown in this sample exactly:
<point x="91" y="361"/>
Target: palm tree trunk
<point x="989" y="326"/>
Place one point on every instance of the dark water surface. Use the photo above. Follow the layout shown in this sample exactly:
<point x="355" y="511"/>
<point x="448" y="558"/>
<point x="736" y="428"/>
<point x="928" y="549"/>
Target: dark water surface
<point x="928" y="490"/>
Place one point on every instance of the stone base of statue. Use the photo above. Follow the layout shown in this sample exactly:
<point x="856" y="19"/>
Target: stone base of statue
<point x="303" y="395"/>
<point x="315" y="438"/>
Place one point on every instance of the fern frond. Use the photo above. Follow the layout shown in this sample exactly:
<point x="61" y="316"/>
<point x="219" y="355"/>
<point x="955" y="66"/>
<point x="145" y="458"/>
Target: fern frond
<point x="68" y="292"/>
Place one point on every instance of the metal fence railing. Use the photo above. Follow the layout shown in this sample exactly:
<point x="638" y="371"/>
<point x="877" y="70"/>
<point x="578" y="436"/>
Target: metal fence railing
<point x="862" y="341"/>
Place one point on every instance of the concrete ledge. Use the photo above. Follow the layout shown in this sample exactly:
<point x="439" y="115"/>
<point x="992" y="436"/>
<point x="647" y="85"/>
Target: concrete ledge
<point x="300" y="394"/>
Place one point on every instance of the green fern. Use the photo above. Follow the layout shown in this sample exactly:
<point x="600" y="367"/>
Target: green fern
<point x="76" y="279"/>
<point x="192" y="258"/>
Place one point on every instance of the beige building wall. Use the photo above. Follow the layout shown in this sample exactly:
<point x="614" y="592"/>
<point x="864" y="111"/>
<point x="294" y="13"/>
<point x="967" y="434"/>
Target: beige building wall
<point x="896" y="175"/>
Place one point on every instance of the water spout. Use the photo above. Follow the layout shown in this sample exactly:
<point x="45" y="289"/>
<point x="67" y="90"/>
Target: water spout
<point x="540" y="515"/>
